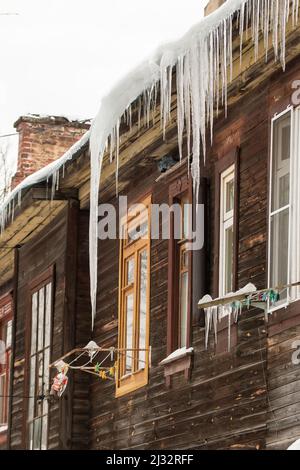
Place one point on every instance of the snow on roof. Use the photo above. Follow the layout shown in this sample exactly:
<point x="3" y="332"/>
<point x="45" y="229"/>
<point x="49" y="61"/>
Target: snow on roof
<point x="54" y="119"/>
<point x="44" y="174"/>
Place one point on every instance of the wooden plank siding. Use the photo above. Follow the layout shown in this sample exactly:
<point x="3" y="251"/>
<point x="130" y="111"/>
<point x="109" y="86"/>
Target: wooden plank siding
<point x="55" y="246"/>
<point x="228" y="401"/>
<point x="247" y="398"/>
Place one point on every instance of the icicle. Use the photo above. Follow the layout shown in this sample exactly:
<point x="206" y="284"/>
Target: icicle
<point x="180" y="103"/>
<point x="215" y="321"/>
<point x="208" y="317"/>
<point x="241" y="31"/>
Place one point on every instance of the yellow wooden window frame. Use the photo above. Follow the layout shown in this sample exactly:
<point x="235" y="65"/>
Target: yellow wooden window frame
<point x="184" y="260"/>
<point x="127" y="383"/>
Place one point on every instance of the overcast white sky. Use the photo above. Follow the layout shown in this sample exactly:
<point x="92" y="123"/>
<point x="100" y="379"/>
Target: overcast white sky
<point x="60" y="56"/>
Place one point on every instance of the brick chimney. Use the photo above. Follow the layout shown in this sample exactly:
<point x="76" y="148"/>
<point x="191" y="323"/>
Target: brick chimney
<point x="43" y="139"/>
<point x="212" y="6"/>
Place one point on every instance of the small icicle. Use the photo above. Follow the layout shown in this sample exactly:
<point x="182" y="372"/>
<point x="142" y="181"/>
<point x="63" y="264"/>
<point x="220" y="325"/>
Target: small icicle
<point x="215" y="321"/>
<point x="208" y="317"/>
<point x="180" y="103"/>
<point x="241" y="31"/>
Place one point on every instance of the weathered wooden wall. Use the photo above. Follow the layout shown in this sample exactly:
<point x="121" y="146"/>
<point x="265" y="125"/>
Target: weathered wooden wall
<point x="226" y="404"/>
<point x="61" y="245"/>
<point x="34" y="258"/>
<point x="82" y="326"/>
<point x="247" y="398"/>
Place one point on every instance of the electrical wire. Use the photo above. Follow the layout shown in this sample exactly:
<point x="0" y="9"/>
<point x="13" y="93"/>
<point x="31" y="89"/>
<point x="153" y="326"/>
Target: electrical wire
<point x="9" y="135"/>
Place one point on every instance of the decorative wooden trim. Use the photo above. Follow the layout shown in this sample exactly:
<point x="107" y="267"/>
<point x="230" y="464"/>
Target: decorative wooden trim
<point x="41" y="279"/>
<point x="69" y="317"/>
<point x="231" y="158"/>
<point x="180" y="185"/>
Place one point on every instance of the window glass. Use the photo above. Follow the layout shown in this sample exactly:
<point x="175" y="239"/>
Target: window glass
<point x="129" y="332"/>
<point x="279" y="243"/>
<point x="228" y="258"/>
<point x="229" y="195"/>
<point x="130" y="271"/>
<point x="143" y="307"/>
<point x="183" y="308"/>
<point x="281" y="162"/>
<point x="134" y="307"/>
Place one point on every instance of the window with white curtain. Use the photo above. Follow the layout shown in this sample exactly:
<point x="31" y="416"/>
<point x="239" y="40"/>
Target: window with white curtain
<point x="284" y="205"/>
<point x="226" y="231"/>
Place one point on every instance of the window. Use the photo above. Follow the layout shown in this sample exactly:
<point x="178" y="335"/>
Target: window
<point x="6" y="338"/>
<point x="284" y="215"/>
<point x="39" y="360"/>
<point x="183" y="274"/>
<point x="226" y="232"/>
<point x="134" y="302"/>
<point x="179" y="264"/>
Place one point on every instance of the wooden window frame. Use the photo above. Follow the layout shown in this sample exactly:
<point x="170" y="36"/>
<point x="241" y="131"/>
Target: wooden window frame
<point x="139" y="377"/>
<point x="179" y="188"/>
<point x="271" y="214"/>
<point x="5" y="370"/>
<point x="231" y="158"/>
<point x="34" y="286"/>
<point x="226" y="222"/>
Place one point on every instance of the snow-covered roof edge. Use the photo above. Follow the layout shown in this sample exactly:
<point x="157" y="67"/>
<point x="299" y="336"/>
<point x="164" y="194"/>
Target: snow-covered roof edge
<point x="201" y="57"/>
<point x="50" y="171"/>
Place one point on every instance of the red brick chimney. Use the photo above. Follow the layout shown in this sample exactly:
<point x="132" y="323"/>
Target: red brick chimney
<point x="43" y="139"/>
<point x="212" y="6"/>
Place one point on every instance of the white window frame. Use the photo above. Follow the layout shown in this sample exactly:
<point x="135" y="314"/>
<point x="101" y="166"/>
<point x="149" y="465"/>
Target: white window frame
<point x="275" y="118"/>
<point x="226" y="221"/>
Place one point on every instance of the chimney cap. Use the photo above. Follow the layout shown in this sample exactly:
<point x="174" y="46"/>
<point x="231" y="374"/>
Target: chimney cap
<point x="53" y="120"/>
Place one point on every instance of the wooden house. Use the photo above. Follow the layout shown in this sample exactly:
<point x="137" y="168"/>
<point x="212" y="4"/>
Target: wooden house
<point x="182" y="395"/>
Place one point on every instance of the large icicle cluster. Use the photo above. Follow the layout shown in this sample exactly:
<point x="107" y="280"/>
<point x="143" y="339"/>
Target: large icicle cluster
<point x="203" y="63"/>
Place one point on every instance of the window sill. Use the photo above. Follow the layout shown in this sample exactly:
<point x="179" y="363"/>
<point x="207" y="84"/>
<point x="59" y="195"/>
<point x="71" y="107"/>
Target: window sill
<point x="132" y="382"/>
<point x="3" y="428"/>
<point x="178" y="361"/>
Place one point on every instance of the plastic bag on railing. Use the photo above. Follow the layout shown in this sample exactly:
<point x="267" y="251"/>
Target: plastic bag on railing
<point x="60" y="380"/>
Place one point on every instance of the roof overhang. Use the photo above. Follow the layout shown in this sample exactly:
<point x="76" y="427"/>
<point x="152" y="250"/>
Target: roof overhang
<point x="35" y="212"/>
